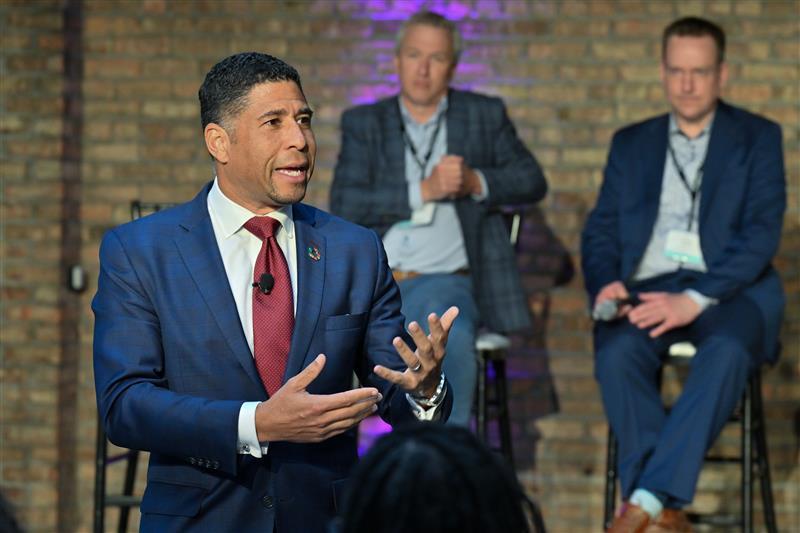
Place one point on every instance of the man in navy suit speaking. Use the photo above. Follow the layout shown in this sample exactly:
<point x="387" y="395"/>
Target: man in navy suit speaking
<point x="228" y="328"/>
<point x="688" y="220"/>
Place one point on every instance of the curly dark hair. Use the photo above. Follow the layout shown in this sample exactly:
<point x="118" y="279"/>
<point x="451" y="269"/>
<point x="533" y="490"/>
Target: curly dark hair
<point x="428" y="477"/>
<point x="224" y="92"/>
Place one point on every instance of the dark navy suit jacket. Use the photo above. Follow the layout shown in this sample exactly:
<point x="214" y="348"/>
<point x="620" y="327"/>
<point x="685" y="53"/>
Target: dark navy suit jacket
<point x="743" y="198"/>
<point x="370" y="188"/>
<point x="172" y="367"/>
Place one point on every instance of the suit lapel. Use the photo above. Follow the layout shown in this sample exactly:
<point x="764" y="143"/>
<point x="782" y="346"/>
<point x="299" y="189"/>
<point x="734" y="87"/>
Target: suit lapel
<point x="311" y="259"/>
<point x="394" y="147"/>
<point x="198" y="248"/>
<point x="653" y="157"/>
<point x="457" y="122"/>
<point x="723" y="146"/>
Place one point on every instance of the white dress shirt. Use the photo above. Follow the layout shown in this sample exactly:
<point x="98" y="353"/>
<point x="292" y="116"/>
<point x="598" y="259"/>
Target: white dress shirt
<point x="239" y="250"/>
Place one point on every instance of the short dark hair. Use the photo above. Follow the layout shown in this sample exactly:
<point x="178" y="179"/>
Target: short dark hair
<point x="695" y="27"/>
<point x="224" y="92"/>
<point x="428" y="477"/>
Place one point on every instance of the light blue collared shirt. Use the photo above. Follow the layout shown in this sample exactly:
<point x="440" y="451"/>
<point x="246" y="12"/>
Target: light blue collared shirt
<point x="675" y="204"/>
<point x="436" y="245"/>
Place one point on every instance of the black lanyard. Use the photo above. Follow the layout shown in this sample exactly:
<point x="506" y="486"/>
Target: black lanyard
<point x="692" y="190"/>
<point x="422" y="163"/>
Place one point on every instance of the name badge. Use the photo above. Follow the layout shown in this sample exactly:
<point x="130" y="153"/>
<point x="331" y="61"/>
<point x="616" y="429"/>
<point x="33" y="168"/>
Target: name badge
<point x="424" y="215"/>
<point x="683" y="247"/>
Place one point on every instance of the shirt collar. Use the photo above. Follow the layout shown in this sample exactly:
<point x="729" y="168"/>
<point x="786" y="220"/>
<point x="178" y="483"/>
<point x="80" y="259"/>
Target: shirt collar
<point x="674" y="129"/>
<point x="232" y="216"/>
<point x="441" y="108"/>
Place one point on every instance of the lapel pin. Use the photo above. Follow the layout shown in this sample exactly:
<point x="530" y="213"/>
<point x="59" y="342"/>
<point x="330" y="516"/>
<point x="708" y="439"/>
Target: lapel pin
<point x="313" y="253"/>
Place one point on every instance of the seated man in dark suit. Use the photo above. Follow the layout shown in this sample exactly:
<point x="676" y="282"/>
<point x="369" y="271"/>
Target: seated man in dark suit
<point x="688" y="220"/>
<point x="427" y="170"/>
<point x="228" y="328"/>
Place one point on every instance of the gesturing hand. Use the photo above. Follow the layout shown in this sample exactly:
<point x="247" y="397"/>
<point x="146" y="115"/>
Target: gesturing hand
<point x="292" y="414"/>
<point x="665" y="309"/>
<point x="424" y="364"/>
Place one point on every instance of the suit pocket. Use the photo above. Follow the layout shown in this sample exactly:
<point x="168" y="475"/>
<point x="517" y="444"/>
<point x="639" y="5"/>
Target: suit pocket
<point x="173" y="500"/>
<point x="345" y="321"/>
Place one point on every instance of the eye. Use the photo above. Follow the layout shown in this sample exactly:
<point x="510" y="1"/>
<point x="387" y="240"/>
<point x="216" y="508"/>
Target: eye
<point x="304" y="120"/>
<point x="273" y="122"/>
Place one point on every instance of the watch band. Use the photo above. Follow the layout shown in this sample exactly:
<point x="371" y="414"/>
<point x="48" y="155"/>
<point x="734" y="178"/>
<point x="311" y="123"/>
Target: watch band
<point x="434" y="400"/>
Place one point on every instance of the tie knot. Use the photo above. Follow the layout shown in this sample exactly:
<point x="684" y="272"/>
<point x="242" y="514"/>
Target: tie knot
<point x="262" y="227"/>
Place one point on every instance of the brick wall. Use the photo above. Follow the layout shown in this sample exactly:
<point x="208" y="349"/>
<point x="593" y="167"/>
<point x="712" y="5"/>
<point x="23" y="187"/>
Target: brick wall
<point x="571" y="73"/>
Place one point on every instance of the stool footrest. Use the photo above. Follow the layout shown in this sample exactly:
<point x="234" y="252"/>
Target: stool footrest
<point x="718" y="520"/>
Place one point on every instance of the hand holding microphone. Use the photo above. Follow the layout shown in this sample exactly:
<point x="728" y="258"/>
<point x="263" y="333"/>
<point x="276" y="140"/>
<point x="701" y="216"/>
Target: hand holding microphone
<point x="612" y="302"/>
<point x="608" y="310"/>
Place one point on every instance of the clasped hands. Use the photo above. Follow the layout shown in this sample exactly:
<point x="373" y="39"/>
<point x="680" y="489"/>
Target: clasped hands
<point x="293" y="414"/>
<point x="451" y="178"/>
<point x="662" y="311"/>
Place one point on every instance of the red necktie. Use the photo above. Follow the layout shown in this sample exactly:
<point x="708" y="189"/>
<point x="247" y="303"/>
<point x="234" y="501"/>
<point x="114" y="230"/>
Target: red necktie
<point x="273" y="313"/>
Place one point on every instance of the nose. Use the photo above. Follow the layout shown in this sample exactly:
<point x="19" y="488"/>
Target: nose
<point x="423" y="67"/>
<point x="687" y="83"/>
<point x="296" y="136"/>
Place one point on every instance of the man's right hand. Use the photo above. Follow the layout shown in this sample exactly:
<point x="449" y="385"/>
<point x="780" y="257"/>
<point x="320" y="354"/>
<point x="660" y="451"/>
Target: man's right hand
<point x="451" y="178"/>
<point x="292" y="414"/>
<point x="614" y="291"/>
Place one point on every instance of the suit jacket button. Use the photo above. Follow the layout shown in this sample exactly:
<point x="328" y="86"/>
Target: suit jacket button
<point x="266" y="501"/>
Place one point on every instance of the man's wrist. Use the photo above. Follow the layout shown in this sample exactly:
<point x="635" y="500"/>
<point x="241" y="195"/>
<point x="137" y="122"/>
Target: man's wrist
<point x="435" y="399"/>
<point x="700" y="299"/>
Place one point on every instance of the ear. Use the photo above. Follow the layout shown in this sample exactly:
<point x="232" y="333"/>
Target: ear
<point x="397" y="62"/>
<point x="662" y="72"/>
<point x="217" y="142"/>
<point x="451" y="71"/>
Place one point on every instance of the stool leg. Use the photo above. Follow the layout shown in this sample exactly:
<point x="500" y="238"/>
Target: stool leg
<point x="501" y="395"/>
<point x="480" y="397"/>
<point x="127" y="489"/>
<point x="611" y="479"/>
<point x="100" y="478"/>
<point x="762" y="454"/>
<point x="747" y="461"/>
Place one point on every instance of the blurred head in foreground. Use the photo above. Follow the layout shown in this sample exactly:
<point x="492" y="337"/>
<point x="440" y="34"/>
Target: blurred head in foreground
<point x="434" y="478"/>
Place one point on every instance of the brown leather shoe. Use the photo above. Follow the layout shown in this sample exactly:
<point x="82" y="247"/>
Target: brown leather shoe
<point x="670" y="521"/>
<point x="632" y="519"/>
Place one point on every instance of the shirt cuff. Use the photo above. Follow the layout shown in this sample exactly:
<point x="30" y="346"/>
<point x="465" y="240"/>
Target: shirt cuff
<point x="700" y="299"/>
<point x="247" y="440"/>
<point x="484" y="194"/>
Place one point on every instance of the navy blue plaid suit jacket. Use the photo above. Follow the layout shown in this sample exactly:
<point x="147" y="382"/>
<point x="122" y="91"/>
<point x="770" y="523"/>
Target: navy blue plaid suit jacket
<point x="172" y="367"/>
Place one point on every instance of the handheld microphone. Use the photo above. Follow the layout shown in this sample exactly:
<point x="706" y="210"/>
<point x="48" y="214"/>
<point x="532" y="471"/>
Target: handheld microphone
<point x="607" y="309"/>
<point x="265" y="283"/>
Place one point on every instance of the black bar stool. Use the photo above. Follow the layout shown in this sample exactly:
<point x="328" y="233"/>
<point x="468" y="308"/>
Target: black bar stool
<point x="753" y="458"/>
<point x="491" y="396"/>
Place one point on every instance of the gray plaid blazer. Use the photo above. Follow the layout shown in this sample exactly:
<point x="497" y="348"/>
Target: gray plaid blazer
<point x="369" y="188"/>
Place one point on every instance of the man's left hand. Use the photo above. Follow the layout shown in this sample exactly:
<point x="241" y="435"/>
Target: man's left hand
<point x="424" y="364"/>
<point x="664" y="310"/>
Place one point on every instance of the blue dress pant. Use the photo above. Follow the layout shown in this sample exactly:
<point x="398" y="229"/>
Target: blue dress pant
<point x="663" y="453"/>
<point x="435" y="293"/>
